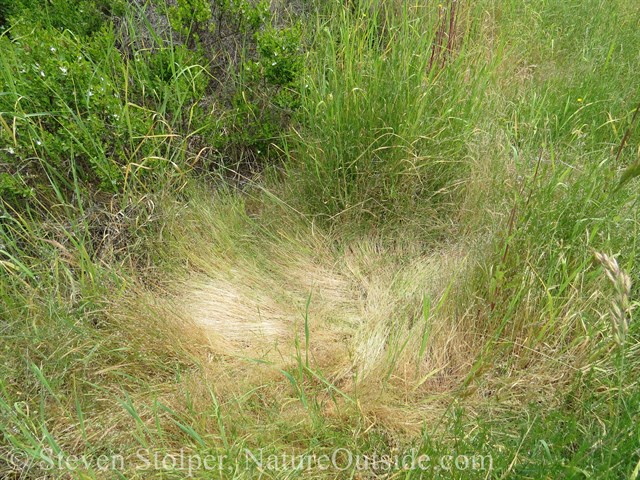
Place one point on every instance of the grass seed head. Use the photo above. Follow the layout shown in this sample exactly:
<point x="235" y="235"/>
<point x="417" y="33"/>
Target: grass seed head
<point x="620" y="306"/>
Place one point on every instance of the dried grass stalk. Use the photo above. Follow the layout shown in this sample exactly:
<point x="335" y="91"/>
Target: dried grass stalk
<point x="620" y="306"/>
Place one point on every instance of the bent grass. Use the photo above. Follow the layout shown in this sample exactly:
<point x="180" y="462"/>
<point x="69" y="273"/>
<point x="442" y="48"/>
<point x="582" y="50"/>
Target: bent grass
<point x="364" y="298"/>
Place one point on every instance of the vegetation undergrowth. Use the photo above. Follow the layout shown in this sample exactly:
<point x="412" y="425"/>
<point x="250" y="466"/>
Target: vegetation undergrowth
<point x="319" y="239"/>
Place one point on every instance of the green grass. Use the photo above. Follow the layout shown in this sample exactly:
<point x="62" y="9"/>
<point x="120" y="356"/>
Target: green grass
<point x="385" y="128"/>
<point x="414" y="225"/>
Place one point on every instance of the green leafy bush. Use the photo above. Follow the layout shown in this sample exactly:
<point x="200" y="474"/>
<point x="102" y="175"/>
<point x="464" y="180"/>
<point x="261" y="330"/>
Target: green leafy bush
<point x="206" y="22"/>
<point x="257" y="68"/>
<point x="81" y="109"/>
<point x="13" y="187"/>
<point x="189" y="17"/>
<point x="60" y="102"/>
<point x="86" y="103"/>
<point x="82" y="17"/>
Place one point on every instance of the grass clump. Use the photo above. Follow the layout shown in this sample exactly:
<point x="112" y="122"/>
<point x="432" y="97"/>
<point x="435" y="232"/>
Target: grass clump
<point x="384" y="127"/>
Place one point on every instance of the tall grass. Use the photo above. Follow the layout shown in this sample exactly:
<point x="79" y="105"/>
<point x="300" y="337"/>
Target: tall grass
<point x="420" y="273"/>
<point x="387" y="110"/>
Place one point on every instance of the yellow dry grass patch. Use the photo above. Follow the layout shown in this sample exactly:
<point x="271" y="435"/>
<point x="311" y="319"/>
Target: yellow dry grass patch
<point x="362" y="306"/>
<point x="345" y="318"/>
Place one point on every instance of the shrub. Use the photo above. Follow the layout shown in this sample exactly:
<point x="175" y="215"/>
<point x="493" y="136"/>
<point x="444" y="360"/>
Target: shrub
<point x="87" y="103"/>
<point x="82" y="17"/>
<point x="257" y="67"/>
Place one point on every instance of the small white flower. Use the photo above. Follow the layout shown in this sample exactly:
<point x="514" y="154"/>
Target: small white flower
<point x="273" y="63"/>
<point x="63" y="70"/>
<point x="90" y="93"/>
<point x="41" y="73"/>
<point x="11" y="151"/>
<point x="53" y="49"/>
<point x="38" y="142"/>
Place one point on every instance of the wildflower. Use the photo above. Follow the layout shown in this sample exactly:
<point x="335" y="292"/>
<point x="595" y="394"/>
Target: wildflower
<point x="41" y="73"/>
<point x="38" y="142"/>
<point x="11" y="151"/>
<point x="53" y="49"/>
<point x="63" y="70"/>
<point x="580" y="100"/>
<point x="273" y="63"/>
<point x="90" y="93"/>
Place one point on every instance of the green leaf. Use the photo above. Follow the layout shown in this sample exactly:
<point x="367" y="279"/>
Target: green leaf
<point x="631" y="172"/>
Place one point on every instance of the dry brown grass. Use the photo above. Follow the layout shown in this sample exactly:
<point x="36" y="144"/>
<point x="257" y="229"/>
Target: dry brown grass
<point x="620" y="304"/>
<point x="246" y="302"/>
<point x="242" y="295"/>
